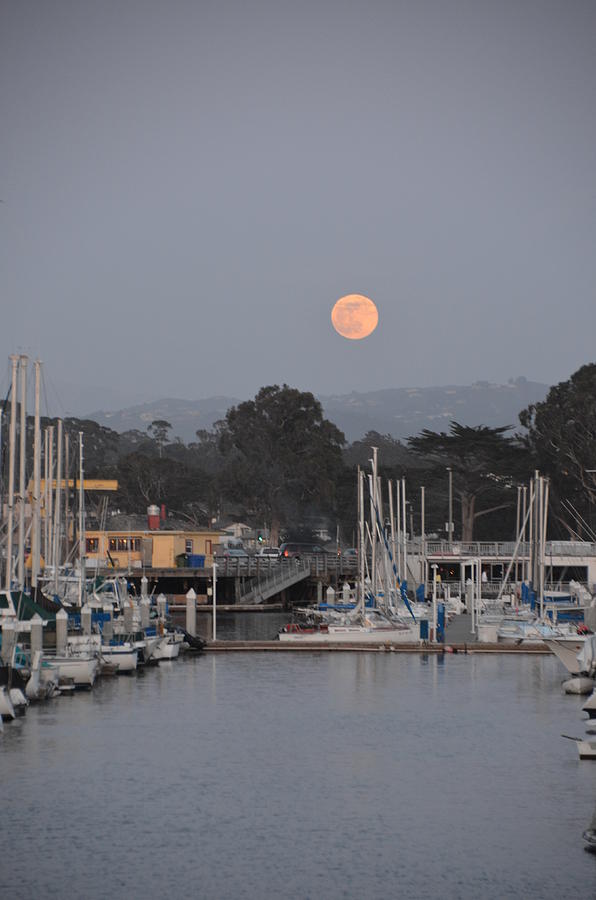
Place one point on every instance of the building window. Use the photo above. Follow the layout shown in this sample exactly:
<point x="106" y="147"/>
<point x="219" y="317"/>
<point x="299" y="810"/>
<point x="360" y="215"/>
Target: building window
<point x="208" y="547"/>
<point x="122" y="543"/>
<point x="92" y="545"/>
<point x="188" y="546"/>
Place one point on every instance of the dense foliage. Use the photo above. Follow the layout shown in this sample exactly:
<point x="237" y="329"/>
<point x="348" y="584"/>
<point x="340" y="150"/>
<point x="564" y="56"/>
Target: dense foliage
<point x="282" y="458"/>
<point x="562" y="439"/>
<point x="276" y="462"/>
<point x="485" y="465"/>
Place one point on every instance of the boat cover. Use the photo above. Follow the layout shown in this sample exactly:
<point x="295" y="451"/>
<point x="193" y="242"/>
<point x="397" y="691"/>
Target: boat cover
<point x="587" y="655"/>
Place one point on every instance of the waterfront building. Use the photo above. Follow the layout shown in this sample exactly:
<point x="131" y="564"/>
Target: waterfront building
<point x="150" y="549"/>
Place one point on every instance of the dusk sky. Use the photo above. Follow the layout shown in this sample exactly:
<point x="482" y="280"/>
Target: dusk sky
<point x="188" y="187"/>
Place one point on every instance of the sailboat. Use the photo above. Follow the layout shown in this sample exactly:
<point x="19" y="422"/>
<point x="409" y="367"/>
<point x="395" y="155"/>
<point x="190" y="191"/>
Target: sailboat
<point x="379" y="623"/>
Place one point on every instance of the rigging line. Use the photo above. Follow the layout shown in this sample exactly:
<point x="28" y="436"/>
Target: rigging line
<point x="579" y="518"/>
<point x="570" y="529"/>
<point x="586" y="525"/>
<point x="49" y="384"/>
<point x="6" y="377"/>
<point x="5" y="403"/>
<point x="44" y="392"/>
<point x="388" y="550"/>
<point x="567" y="509"/>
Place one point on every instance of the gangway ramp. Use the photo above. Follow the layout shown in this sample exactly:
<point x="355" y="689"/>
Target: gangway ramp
<point x="284" y="577"/>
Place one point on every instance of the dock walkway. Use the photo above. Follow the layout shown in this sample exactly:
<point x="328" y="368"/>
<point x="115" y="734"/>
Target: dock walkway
<point x="283" y="646"/>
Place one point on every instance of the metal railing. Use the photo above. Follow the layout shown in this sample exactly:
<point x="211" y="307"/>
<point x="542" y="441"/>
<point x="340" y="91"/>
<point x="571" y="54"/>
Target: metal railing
<point x="283" y="578"/>
<point x="503" y="549"/>
<point x="255" y="566"/>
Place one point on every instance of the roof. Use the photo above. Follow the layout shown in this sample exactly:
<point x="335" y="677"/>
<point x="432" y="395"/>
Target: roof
<point x="173" y="532"/>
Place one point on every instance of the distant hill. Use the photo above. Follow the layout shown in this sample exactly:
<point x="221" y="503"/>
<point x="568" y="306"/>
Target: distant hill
<point x="185" y="416"/>
<point x="403" y="412"/>
<point x="400" y="412"/>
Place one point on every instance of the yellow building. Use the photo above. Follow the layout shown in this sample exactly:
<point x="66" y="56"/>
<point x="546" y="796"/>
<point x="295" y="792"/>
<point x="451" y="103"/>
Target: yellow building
<point x="136" y="549"/>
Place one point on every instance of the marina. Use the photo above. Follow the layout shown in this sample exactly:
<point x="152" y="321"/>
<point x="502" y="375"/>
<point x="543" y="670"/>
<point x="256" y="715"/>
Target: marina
<point x="298" y="451"/>
<point x="408" y="681"/>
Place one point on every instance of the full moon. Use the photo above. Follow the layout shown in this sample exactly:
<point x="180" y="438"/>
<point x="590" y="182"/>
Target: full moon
<point x="354" y="317"/>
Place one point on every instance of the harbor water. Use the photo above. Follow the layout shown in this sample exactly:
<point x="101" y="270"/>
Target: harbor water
<point x="309" y="775"/>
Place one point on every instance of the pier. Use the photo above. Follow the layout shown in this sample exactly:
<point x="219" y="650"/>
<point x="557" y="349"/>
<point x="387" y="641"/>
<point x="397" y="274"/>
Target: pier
<point x="539" y="649"/>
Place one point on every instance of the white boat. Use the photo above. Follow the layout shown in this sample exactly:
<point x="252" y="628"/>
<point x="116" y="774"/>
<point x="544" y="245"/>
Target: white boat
<point x="590" y="706"/>
<point x="579" y="684"/>
<point x="7" y="710"/>
<point x="514" y="631"/>
<point x="576" y="652"/>
<point x="124" y="656"/>
<point x="36" y="689"/>
<point x="168" y="647"/>
<point x="372" y="628"/>
<point x="80" y="670"/>
<point x="145" y="647"/>
<point x="566" y="648"/>
<point x="349" y="634"/>
<point x="19" y="701"/>
<point x="586" y="749"/>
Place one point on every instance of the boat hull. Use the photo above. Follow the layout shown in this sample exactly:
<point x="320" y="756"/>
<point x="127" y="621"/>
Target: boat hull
<point x="7" y="710"/>
<point x="351" y="634"/>
<point x="566" y="650"/>
<point x="80" y="670"/>
<point x="167" y="648"/>
<point x="125" y="659"/>
<point x="587" y="749"/>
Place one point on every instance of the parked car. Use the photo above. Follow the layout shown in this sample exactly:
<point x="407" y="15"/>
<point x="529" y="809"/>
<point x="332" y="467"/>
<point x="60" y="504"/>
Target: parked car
<point x="350" y="553"/>
<point x="295" y="550"/>
<point x="231" y="553"/>
<point x="270" y="552"/>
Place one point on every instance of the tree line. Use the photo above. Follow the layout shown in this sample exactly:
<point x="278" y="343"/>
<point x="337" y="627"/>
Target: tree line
<point x="278" y="464"/>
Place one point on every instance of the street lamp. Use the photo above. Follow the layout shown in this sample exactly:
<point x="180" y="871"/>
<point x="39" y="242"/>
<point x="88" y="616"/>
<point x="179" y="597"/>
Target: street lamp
<point x="450" y="522"/>
<point x="214" y="623"/>
<point x="434" y="568"/>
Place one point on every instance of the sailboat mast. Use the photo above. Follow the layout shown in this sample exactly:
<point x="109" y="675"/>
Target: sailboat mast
<point x="1" y="473"/>
<point x="423" y="539"/>
<point x="392" y="520"/>
<point x="531" y="571"/>
<point x="21" y="495"/>
<point x="36" y="536"/>
<point x="58" y="508"/>
<point x="524" y="569"/>
<point x="45" y="492"/>
<point x="544" y="486"/>
<point x="81" y="523"/>
<point x="361" y="538"/>
<point x="405" y="528"/>
<point x="373" y="522"/>
<point x="66" y="481"/>
<point x="50" y="497"/>
<point x="14" y="360"/>
<point x="398" y="512"/>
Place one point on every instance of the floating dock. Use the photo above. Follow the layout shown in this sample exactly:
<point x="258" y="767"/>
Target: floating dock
<point x="289" y="646"/>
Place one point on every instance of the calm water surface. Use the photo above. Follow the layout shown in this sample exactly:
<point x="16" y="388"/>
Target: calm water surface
<point x="304" y="775"/>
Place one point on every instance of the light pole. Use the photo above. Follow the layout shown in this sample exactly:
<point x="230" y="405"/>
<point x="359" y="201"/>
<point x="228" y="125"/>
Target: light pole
<point x="434" y="568"/>
<point x="214" y="601"/>
<point x="450" y="523"/>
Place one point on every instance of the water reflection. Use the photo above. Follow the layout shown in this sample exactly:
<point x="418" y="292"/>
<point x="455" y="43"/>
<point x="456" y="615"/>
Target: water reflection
<point x="302" y="774"/>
